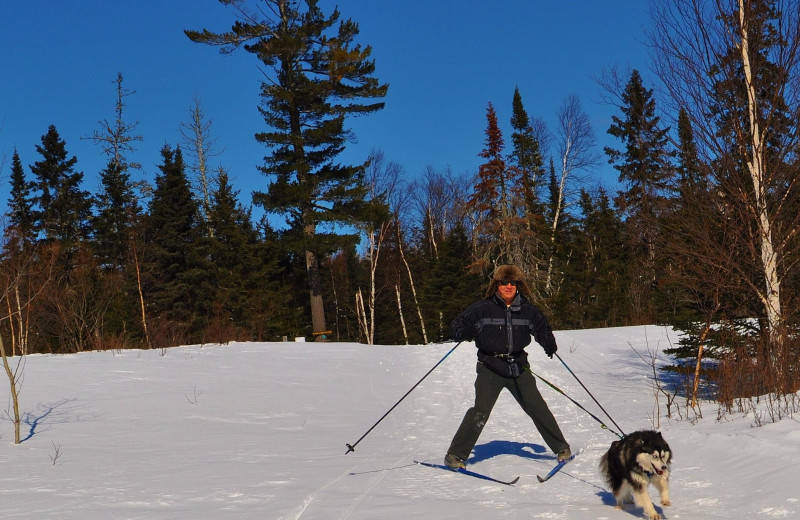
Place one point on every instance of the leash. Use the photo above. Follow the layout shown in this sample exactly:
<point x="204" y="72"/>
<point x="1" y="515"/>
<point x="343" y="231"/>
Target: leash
<point x="576" y="403"/>
<point x="590" y="395"/>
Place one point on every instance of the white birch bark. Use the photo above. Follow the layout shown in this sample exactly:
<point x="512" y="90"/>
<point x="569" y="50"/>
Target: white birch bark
<point x="400" y="313"/>
<point x="771" y="298"/>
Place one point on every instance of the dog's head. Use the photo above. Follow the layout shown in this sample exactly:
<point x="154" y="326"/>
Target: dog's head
<point x="653" y="453"/>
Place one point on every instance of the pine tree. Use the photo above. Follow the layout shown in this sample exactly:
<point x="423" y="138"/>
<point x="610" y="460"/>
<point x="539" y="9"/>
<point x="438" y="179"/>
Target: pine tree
<point x="317" y="78"/>
<point x="63" y="209"/>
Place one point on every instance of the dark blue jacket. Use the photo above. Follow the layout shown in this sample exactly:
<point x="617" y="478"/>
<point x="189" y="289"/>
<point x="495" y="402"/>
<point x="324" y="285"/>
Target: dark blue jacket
<point x="502" y="332"/>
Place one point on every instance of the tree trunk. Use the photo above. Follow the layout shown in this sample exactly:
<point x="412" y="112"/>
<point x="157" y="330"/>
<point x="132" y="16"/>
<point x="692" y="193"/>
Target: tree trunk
<point x="141" y="294"/>
<point x="361" y="314"/>
<point x="400" y="312"/>
<point x="700" y="347"/>
<point x="315" y="291"/>
<point x="772" y="297"/>
<point x="411" y="282"/>
<point x="12" y="379"/>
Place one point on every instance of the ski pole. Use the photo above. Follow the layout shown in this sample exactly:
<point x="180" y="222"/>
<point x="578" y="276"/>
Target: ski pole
<point x="588" y="392"/>
<point x="352" y="447"/>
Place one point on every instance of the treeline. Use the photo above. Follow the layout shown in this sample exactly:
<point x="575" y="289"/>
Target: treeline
<point x="703" y="233"/>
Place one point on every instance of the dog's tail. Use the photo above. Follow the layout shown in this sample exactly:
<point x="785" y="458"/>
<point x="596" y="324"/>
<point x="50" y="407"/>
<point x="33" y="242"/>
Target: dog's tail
<point x="605" y="469"/>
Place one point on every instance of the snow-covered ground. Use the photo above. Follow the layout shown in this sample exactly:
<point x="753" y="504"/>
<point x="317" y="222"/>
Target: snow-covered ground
<point x="258" y="430"/>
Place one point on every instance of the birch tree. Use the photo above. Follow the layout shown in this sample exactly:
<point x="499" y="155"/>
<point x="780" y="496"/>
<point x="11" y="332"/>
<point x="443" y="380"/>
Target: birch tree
<point x="734" y="66"/>
<point x="575" y="143"/>
<point x="382" y="180"/>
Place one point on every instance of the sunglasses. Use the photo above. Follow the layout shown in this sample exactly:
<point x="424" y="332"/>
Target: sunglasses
<point x="506" y="282"/>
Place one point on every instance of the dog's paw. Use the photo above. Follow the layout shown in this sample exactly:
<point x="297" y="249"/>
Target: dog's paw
<point x="666" y="503"/>
<point x="655" y="516"/>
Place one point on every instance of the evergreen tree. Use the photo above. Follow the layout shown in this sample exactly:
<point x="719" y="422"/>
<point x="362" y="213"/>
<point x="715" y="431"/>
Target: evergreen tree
<point x="318" y="77"/>
<point x="247" y="272"/>
<point x="63" y="209"/>
<point x="604" y="265"/>
<point x="695" y="236"/>
<point x="20" y="201"/>
<point x="644" y="164"/>
<point x="450" y="287"/>
<point x="117" y="210"/>
<point x="179" y="281"/>
<point x="526" y="155"/>
<point x="646" y="173"/>
<point x="501" y="234"/>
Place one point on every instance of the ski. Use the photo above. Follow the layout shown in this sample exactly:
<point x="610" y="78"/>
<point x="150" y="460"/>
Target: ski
<point x="470" y="473"/>
<point x="558" y="467"/>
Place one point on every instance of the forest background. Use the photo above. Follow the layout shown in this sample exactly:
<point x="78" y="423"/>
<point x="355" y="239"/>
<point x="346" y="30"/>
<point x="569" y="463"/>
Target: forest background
<point x="701" y="233"/>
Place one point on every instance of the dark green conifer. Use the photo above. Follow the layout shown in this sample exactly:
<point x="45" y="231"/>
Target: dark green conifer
<point x="117" y="212"/>
<point x="179" y="281"/>
<point x="646" y="173"/>
<point x="526" y="156"/>
<point x="20" y="201"/>
<point x="450" y="287"/>
<point x="62" y="208"/>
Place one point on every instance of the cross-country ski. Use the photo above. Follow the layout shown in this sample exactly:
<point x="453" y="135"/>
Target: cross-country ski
<point x="468" y="472"/>
<point x="558" y="467"/>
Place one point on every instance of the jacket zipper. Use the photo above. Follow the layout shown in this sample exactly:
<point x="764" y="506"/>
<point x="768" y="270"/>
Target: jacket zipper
<point x="510" y="332"/>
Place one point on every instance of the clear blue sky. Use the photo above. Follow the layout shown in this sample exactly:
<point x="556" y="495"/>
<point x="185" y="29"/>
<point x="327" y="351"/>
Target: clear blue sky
<point x="445" y="60"/>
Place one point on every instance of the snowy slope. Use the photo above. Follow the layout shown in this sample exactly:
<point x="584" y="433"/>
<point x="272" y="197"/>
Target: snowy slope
<point x="258" y="430"/>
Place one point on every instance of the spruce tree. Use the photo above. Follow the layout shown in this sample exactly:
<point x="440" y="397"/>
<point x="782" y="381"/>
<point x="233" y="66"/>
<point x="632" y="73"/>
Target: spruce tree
<point x="606" y="263"/>
<point x="317" y="77"/>
<point x="20" y="201"/>
<point x="646" y="173"/>
<point x="526" y="155"/>
<point x="62" y="209"/>
<point x="502" y="233"/>
<point x="117" y="211"/>
<point x="247" y="272"/>
<point x="450" y="287"/>
<point x="179" y="282"/>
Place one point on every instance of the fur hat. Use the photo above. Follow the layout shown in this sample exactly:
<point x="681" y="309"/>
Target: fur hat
<point x="508" y="272"/>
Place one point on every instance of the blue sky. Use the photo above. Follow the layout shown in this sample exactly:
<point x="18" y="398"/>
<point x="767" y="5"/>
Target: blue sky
<point x="445" y="60"/>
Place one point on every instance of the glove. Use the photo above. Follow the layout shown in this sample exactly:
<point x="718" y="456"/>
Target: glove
<point x="551" y="349"/>
<point x="466" y="333"/>
<point x="463" y="335"/>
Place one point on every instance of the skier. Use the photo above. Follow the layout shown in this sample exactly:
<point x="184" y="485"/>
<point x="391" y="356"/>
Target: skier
<point x="501" y="325"/>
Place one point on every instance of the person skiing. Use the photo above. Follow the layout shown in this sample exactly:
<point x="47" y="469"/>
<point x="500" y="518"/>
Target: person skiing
<point x="501" y="325"/>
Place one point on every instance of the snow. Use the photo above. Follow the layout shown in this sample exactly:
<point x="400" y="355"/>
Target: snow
<point x="259" y="430"/>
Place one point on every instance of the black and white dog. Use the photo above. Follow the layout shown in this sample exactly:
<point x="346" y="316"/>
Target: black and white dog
<point x="632" y="463"/>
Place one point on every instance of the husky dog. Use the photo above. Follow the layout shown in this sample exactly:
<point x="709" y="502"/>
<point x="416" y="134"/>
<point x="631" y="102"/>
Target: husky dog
<point x="630" y="464"/>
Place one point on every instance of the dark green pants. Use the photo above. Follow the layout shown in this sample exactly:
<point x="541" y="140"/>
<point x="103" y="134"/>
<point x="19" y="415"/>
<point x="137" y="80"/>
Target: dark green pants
<point x="488" y="386"/>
